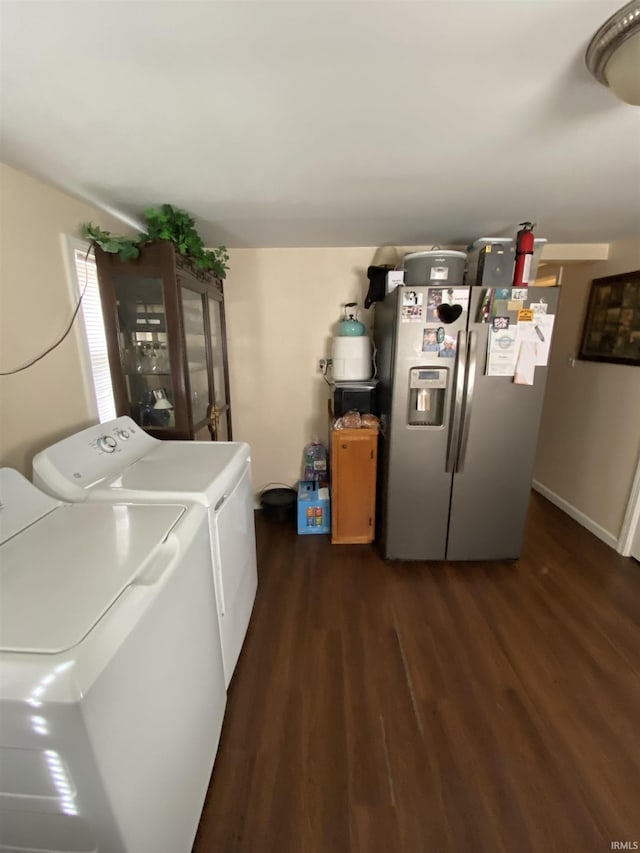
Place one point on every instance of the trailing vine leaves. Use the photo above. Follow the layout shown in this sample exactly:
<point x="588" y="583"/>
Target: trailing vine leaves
<point x="164" y="223"/>
<point x="123" y="246"/>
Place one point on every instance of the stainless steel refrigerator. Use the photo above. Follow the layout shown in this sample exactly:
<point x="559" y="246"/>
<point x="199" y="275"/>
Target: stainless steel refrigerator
<point x="458" y="445"/>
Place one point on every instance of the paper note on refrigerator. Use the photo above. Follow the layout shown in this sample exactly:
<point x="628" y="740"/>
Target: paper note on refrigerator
<point x="526" y="363"/>
<point x="501" y="357"/>
<point x="537" y="332"/>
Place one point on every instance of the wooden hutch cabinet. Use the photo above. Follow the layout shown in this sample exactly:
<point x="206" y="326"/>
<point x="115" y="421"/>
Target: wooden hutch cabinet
<point x="165" y="330"/>
<point x="354" y="456"/>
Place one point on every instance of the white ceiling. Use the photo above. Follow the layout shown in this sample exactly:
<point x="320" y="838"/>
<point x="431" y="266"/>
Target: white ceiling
<point x="325" y="123"/>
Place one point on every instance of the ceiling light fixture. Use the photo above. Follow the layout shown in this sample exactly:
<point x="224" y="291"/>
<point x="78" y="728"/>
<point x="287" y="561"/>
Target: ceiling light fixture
<point x="613" y="56"/>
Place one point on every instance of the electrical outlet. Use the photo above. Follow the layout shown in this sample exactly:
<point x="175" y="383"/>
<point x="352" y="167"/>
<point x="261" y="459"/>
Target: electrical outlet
<point x="323" y="364"/>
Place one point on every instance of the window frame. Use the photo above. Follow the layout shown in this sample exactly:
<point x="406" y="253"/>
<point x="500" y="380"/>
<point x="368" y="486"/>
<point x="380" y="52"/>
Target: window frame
<point x="71" y="246"/>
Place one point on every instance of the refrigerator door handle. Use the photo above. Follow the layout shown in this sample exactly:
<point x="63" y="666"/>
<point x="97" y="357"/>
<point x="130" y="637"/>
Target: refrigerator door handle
<point x="468" y="400"/>
<point x="454" y="432"/>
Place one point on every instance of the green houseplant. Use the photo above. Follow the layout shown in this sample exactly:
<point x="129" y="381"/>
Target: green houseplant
<point x="163" y="223"/>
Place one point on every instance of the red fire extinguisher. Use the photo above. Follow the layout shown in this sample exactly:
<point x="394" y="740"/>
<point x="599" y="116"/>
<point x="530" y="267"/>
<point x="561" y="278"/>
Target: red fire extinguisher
<point x="524" y="254"/>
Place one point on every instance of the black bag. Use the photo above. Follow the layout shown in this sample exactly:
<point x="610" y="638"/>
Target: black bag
<point x="377" y="284"/>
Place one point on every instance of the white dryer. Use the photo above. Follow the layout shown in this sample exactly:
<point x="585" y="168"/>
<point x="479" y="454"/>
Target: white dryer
<point x="112" y="689"/>
<point x="117" y="461"/>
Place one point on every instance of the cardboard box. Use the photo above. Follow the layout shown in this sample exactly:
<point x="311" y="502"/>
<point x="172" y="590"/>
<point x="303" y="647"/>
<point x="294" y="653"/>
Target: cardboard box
<point x="314" y="510"/>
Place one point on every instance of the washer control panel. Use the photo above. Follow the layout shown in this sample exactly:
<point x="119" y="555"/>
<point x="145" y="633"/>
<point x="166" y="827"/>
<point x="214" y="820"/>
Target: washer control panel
<point x="94" y="454"/>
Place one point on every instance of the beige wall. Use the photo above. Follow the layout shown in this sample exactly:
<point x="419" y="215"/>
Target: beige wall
<point x="282" y="305"/>
<point x="590" y="433"/>
<point x="49" y="400"/>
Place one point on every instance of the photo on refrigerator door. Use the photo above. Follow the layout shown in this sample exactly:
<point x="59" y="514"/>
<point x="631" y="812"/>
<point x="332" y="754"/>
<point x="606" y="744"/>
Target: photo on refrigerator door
<point x="412" y="307"/>
<point x="448" y="347"/>
<point x="446" y="304"/>
<point x="430" y="340"/>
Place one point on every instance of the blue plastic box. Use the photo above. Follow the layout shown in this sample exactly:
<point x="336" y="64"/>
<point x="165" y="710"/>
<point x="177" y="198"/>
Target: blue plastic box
<point x="314" y="508"/>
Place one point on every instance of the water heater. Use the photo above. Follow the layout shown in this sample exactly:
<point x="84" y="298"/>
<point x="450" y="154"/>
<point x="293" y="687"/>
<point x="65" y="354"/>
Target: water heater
<point x="351" y="359"/>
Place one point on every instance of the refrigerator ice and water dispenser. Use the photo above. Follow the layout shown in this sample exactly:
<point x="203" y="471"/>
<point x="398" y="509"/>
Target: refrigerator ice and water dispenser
<point x="427" y="391"/>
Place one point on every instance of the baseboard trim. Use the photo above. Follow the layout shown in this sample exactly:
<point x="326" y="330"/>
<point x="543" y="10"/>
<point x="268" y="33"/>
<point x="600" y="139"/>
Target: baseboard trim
<point x="602" y="534"/>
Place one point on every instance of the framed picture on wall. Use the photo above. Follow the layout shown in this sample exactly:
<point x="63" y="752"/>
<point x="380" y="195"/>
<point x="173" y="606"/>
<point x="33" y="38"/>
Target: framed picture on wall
<point x="612" y="326"/>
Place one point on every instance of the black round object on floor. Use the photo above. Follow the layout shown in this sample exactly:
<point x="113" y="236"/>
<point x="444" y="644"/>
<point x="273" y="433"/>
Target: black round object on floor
<point x="278" y="504"/>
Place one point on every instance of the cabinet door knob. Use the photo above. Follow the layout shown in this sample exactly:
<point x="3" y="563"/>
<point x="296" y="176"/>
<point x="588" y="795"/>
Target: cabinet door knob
<point x="345" y="446"/>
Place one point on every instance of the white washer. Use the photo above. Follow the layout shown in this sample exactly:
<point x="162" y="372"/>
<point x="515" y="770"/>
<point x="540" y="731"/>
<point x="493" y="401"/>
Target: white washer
<point x="117" y="461"/>
<point x="112" y="687"/>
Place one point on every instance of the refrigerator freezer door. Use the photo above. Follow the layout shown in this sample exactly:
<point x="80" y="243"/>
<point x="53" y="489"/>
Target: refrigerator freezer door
<point x="491" y="490"/>
<point x="416" y="483"/>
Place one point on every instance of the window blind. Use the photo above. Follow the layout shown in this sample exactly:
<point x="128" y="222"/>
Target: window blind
<point x="86" y="274"/>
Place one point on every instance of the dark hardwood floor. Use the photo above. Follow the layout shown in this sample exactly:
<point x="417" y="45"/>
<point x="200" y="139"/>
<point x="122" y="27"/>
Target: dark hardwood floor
<point x="433" y="707"/>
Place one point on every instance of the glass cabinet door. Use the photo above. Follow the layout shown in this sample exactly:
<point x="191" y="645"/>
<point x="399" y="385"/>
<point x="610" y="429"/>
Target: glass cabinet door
<point x="196" y="349"/>
<point x="220" y="409"/>
<point x="144" y="350"/>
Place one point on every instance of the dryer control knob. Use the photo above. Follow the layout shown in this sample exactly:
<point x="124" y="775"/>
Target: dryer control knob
<point x="107" y="443"/>
<point x="123" y="434"/>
